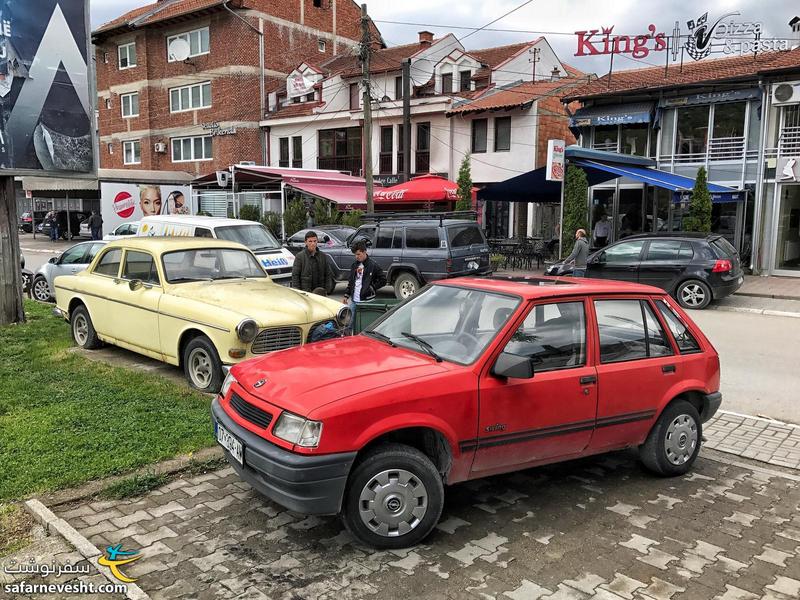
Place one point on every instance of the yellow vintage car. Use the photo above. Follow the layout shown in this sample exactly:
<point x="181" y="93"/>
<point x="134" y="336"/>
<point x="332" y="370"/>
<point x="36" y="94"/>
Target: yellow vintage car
<point x="202" y="304"/>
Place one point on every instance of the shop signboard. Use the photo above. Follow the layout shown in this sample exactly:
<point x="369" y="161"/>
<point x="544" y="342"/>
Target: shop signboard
<point x="46" y="89"/>
<point x="127" y="202"/>
<point x="555" y="160"/>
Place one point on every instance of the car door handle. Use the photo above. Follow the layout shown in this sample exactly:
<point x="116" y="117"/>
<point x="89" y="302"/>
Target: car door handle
<point x="668" y="369"/>
<point x="587" y="379"/>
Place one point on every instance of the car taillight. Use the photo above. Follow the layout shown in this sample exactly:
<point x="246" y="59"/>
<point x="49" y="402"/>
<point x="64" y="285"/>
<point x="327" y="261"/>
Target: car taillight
<point x="722" y="266"/>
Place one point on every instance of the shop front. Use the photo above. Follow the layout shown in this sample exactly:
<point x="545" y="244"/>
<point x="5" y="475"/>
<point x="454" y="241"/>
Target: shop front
<point x="786" y="236"/>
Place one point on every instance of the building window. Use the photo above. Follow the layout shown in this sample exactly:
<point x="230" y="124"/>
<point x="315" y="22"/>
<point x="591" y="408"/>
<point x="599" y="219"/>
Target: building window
<point x="447" y="83"/>
<point x="340" y="149"/>
<point x="353" y="96"/>
<point x="606" y="138"/>
<point x="398" y="88"/>
<point x="479" y="127"/>
<point x="385" y="156"/>
<point x="634" y="139"/>
<point x="108" y="103"/>
<point x="317" y="3"/>
<point x="283" y="150"/>
<point x="297" y="152"/>
<point x="310" y="97"/>
<point x="130" y="104"/>
<point x="321" y="45"/>
<point x="132" y="152"/>
<point x="198" y="41"/>
<point x="692" y="130"/>
<point x="400" y="162"/>
<point x="127" y="55"/>
<point x="502" y="134"/>
<point x="110" y="148"/>
<point x="191" y="149"/>
<point x="105" y="57"/>
<point x="296" y="100"/>
<point x="423" y="164"/>
<point x="465" y="81"/>
<point x="190" y="97"/>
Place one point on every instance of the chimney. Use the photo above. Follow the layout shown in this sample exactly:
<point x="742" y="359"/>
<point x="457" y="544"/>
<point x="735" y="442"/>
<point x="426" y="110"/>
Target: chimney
<point x="425" y="38"/>
<point x="555" y="74"/>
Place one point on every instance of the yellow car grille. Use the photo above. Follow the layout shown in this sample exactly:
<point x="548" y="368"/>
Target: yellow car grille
<point x="278" y="338"/>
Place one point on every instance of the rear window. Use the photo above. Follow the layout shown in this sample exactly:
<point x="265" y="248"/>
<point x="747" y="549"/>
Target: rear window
<point x="422" y="237"/>
<point x="723" y="248"/>
<point x="461" y="236"/>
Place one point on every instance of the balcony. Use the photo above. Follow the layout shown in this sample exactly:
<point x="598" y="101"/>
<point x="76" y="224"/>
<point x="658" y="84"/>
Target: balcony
<point x="789" y="141"/>
<point x="605" y="146"/>
<point x="350" y="164"/>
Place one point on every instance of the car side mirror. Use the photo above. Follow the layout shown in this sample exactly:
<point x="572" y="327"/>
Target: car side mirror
<point x="513" y="365"/>
<point x="135" y="284"/>
<point x="53" y="260"/>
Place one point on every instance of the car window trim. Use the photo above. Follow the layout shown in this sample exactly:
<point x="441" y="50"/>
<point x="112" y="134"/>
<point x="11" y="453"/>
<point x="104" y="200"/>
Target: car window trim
<point x="101" y="256"/>
<point x="84" y="245"/>
<point x="678" y="350"/>
<point x="124" y="262"/>
<point x="622" y="296"/>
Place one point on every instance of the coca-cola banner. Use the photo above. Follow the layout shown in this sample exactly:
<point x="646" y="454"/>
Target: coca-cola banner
<point x="129" y="202"/>
<point x="46" y="92"/>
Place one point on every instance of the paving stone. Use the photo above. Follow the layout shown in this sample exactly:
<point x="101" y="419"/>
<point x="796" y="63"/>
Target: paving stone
<point x="734" y="593"/>
<point x="776" y="557"/>
<point x="624" y="586"/>
<point x="528" y="591"/>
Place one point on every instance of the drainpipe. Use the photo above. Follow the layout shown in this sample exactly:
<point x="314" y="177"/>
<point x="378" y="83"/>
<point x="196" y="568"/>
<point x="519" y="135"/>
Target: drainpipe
<point x="760" y="187"/>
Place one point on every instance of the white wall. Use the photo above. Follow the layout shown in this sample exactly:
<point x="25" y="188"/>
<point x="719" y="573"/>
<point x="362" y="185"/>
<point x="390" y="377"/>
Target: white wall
<point x="520" y="68"/>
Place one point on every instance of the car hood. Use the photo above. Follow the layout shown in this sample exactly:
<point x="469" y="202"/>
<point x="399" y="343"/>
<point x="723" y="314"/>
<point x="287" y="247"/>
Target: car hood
<point x="269" y="303"/>
<point x="304" y="379"/>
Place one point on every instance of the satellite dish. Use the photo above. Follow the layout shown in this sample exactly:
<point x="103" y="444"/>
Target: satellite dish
<point x="179" y="49"/>
<point x="421" y="71"/>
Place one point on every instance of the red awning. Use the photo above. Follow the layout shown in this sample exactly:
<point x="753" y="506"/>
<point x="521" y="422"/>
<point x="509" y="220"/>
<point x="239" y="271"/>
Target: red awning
<point x="344" y="195"/>
<point x="426" y="188"/>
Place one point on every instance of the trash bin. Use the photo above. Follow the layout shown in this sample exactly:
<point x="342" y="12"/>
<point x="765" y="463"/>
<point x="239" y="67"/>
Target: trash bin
<point x="367" y="313"/>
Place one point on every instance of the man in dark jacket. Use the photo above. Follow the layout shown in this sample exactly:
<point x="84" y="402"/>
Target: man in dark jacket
<point x="96" y="225"/>
<point x="311" y="269"/>
<point x="580" y="252"/>
<point x="366" y="276"/>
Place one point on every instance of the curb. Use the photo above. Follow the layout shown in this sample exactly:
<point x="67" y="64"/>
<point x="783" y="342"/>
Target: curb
<point x="89" y="551"/>
<point x="757" y="311"/>
<point x="40" y="251"/>
<point x="772" y="296"/>
<point x="757" y="418"/>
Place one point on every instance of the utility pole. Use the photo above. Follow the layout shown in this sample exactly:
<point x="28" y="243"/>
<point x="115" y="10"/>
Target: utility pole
<point x="406" y="119"/>
<point x="535" y="61"/>
<point x="366" y="48"/>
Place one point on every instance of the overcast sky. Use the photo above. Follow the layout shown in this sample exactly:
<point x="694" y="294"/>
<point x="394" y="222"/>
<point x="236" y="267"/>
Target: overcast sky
<point x="553" y="17"/>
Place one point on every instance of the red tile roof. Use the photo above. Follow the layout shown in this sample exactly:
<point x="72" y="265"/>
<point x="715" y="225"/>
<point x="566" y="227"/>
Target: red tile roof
<point x="300" y="109"/>
<point x="513" y="97"/>
<point x="492" y="57"/>
<point x="703" y="71"/>
<point x="381" y="61"/>
<point x="161" y="11"/>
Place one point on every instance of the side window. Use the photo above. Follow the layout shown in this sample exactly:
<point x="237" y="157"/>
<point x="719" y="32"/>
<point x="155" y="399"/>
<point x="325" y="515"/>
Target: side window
<point x="93" y="252"/>
<point x="462" y="236"/>
<point x="626" y="252"/>
<point x="295" y="239"/>
<point x="74" y="255"/>
<point x="670" y="250"/>
<point x="422" y="237"/>
<point x="385" y="236"/>
<point x="657" y="342"/>
<point x="553" y="336"/>
<point x="202" y="232"/>
<point x="683" y="337"/>
<point x="141" y="266"/>
<point x="623" y="334"/>
<point x="123" y="229"/>
<point x="109" y="263"/>
<point x="366" y="232"/>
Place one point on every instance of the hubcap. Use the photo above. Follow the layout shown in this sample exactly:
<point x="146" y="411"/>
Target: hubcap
<point x="393" y="503"/>
<point x="200" y="369"/>
<point x="81" y="330"/>
<point x="693" y="295"/>
<point x="407" y="289"/>
<point x="681" y="439"/>
<point x="41" y="290"/>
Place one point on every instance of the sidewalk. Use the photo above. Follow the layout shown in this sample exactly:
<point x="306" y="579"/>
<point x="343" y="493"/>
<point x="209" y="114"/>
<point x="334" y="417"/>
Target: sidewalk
<point x="780" y="288"/>
<point x="43" y="245"/>
<point x="761" y="439"/>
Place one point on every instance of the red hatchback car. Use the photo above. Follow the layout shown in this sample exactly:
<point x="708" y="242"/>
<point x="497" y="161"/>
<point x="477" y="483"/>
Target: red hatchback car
<point x="469" y="378"/>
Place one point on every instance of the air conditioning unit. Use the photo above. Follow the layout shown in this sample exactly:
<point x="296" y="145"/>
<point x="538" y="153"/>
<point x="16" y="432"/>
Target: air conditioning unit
<point x="787" y="92"/>
<point x="160" y="147"/>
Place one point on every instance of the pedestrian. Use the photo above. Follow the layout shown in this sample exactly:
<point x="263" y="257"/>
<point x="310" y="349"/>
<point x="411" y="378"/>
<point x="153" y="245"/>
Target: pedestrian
<point x="96" y="225"/>
<point x="54" y="229"/>
<point x="366" y="277"/>
<point x="579" y="254"/>
<point x="602" y="229"/>
<point x="311" y="269"/>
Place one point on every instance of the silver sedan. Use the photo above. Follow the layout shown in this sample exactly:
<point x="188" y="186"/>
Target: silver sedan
<point x="69" y="262"/>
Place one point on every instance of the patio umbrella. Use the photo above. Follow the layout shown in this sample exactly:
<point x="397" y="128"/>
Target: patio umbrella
<point x="425" y="188"/>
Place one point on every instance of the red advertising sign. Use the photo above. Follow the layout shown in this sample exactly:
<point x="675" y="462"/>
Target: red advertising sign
<point x="124" y="204"/>
<point x="600" y="41"/>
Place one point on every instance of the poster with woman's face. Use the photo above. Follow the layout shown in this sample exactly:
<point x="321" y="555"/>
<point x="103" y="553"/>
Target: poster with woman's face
<point x="123" y="203"/>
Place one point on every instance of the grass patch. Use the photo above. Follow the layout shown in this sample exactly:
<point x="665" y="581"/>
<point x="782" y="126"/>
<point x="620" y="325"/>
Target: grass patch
<point x="134" y="486"/>
<point x="201" y="467"/>
<point x="65" y="420"/>
<point x="15" y="528"/>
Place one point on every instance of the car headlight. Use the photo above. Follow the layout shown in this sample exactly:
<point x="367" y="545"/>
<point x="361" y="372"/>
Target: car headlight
<point x="226" y="385"/>
<point x="344" y="316"/>
<point x="247" y="330"/>
<point x="297" y="430"/>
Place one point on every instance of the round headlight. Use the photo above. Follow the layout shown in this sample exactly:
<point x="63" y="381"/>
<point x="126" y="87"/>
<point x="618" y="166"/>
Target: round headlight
<point x="344" y="316"/>
<point x="247" y="330"/>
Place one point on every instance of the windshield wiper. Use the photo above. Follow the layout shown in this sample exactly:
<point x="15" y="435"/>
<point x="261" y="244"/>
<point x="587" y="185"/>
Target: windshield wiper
<point x="265" y="248"/>
<point x="189" y="279"/>
<point x="229" y="277"/>
<point x="422" y="344"/>
<point x="382" y="337"/>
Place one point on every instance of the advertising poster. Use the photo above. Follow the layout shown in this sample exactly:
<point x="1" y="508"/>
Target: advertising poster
<point x="128" y="202"/>
<point x="555" y="160"/>
<point x="46" y="97"/>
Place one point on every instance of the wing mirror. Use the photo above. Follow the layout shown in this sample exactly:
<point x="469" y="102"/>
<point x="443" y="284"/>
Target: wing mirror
<point x="53" y="260"/>
<point x="135" y="284"/>
<point x="513" y="366"/>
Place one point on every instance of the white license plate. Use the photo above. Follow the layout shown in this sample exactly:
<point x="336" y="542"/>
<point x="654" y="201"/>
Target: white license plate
<point x="230" y="443"/>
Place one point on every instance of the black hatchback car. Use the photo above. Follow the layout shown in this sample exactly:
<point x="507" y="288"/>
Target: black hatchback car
<point x="695" y="268"/>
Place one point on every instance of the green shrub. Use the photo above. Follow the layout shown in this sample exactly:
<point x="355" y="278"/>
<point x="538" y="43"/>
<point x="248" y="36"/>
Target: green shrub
<point x="352" y="218"/>
<point x="575" y="192"/>
<point x="249" y="212"/>
<point x="272" y="221"/>
<point x="295" y="217"/>
<point x="699" y="217"/>
<point x="464" y="185"/>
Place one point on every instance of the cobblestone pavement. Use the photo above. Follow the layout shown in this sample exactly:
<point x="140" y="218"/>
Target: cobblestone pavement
<point x="599" y="528"/>
<point x="751" y="437"/>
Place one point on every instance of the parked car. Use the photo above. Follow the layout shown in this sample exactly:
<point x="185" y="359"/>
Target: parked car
<point x="75" y="219"/>
<point x="85" y="230"/>
<point x="695" y="268"/>
<point x="121" y="232"/>
<point x="26" y="220"/>
<point x="71" y="261"/>
<point x="469" y="378"/>
<point x="329" y="236"/>
<point x="201" y="304"/>
<point x="414" y="250"/>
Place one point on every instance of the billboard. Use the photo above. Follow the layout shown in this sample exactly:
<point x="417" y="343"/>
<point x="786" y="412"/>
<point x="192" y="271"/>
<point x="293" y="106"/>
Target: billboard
<point x="555" y="160"/>
<point x="47" y="124"/>
<point x="127" y="202"/>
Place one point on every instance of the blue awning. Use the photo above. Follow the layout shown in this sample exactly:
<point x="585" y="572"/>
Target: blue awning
<point x="613" y="114"/>
<point x="533" y="187"/>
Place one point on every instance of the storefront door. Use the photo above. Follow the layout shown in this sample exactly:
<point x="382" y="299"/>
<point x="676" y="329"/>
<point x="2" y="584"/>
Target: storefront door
<point x="787" y="235"/>
<point x="630" y="213"/>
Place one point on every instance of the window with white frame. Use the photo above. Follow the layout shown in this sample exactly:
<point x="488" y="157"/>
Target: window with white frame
<point x="321" y="45"/>
<point x="110" y="148"/>
<point x="132" y="152"/>
<point x="198" y="41"/>
<point x="190" y="149"/>
<point x="190" y="97"/>
<point x="127" y="55"/>
<point x="130" y="104"/>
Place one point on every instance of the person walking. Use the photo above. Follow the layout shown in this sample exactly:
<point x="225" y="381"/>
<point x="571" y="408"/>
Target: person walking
<point x="96" y="225"/>
<point x="602" y="229"/>
<point x="366" y="277"/>
<point x="311" y="269"/>
<point x="580" y="252"/>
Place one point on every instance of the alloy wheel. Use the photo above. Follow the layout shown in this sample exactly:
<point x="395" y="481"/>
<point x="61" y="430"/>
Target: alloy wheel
<point x="393" y="502"/>
<point x="681" y="439"/>
<point x="407" y="289"/>
<point x="201" y="369"/>
<point x="41" y="291"/>
<point x="80" y="329"/>
<point x="693" y="295"/>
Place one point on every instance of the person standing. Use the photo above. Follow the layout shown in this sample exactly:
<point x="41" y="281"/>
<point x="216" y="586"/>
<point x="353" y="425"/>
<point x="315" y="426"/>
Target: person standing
<point x="96" y="225"/>
<point x="579" y="254"/>
<point x="366" y="277"/>
<point x="311" y="269"/>
<point x="602" y="229"/>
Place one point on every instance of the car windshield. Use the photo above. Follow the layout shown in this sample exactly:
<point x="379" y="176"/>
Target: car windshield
<point x="210" y="264"/>
<point x="255" y="236"/>
<point x="454" y="324"/>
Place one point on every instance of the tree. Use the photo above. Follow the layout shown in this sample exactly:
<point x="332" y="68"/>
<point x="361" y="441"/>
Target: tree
<point x="249" y="212"/>
<point x="272" y="221"/>
<point x="353" y="218"/>
<point x="294" y="218"/>
<point x="11" y="307"/>
<point x="576" y="188"/>
<point x="699" y="218"/>
<point x="464" y="185"/>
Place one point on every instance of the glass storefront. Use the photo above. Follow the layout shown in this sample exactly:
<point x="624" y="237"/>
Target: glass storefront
<point x="630" y="217"/>
<point x="787" y="245"/>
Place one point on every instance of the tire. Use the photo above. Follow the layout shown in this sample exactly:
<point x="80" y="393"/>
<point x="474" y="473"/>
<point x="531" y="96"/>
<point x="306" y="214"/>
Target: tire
<point x="674" y="442"/>
<point x="693" y="293"/>
<point x="202" y="366"/>
<point x="40" y="289"/>
<point x="399" y="524"/>
<point x="331" y="288"/>
<point x="26" y="283"/>
<point x="405" y="286"/>
<point x="83" y="333"/>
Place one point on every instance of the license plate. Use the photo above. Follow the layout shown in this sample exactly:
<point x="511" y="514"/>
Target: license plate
<point x="230" y="443"/>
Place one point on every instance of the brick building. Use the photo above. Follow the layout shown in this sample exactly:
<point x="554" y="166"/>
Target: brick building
<point x="159" y="111"/>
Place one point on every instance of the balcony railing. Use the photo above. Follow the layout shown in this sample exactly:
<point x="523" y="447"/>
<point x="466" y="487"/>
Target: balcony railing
<point x="789" y="141"/>
<point x="727" y="148"/>
<point x="351" y="164"/>
<point x="423" y="162"/>
<point x="605" y="146"/>
<point x="385" y="163"/>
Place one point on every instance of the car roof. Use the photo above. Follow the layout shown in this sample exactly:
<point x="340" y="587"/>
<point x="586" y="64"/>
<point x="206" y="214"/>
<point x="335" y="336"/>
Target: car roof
<point x="536" y="286"/>
<point x="168" y="244"/>
<point x="196" y="220"/>
<point x="412" y="221"/>
<point x="673" y="234"/>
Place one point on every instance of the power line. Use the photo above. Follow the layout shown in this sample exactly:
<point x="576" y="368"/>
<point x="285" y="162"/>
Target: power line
<point x="513" y="10"/>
